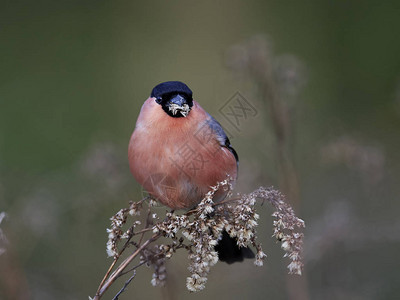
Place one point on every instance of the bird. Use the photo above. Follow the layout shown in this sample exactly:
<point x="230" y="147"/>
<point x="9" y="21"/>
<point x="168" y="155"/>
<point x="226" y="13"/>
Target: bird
<point x="177" y="151"/>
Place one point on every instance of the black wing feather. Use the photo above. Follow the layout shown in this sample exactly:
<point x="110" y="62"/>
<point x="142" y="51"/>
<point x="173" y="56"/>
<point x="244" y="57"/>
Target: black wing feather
<point x="221" y="136"/>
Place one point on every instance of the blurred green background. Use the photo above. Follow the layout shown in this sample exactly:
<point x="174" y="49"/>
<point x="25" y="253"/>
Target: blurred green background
<point x="74" y="75"/>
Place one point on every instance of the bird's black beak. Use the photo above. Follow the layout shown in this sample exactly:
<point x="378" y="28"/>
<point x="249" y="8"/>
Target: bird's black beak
<point x="178" y="104"/>
<point x="178" y="100"/>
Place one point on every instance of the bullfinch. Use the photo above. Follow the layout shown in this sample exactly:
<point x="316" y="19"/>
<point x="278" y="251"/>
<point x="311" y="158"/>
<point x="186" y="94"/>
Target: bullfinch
<point x="178" y="151"/>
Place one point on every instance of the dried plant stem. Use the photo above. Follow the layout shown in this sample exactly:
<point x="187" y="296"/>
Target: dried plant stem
<point x="106" y="284"/>
<point x="277" y="79"/>
<point x="144" y="230"/>
<point x="106" y="275"/>
<point x="125" y="286"/>
<point x="288" y="179"/>
<point x="281" y="120"/>
<point x="134" y="268"/>
<point x="226" y="201"/>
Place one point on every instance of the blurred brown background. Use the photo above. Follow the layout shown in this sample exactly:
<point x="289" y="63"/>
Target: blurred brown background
<point x="74" y="75"/>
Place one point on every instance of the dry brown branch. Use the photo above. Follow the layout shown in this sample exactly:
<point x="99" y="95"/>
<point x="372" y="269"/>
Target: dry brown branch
<point x="105" y="285"/>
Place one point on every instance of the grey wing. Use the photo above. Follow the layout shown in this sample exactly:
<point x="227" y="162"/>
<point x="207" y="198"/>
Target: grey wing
<point x="221" y="136"/>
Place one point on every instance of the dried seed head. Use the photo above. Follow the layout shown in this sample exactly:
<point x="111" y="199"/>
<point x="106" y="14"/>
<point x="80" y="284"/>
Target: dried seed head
<point x="199" y="230"/>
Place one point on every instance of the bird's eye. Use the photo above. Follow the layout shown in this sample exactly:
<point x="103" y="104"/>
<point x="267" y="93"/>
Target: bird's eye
<point x="158" y="100"/>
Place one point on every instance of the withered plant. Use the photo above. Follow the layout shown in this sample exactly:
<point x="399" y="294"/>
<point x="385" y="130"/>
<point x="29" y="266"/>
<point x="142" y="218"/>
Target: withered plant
<point x="153" y="241"/>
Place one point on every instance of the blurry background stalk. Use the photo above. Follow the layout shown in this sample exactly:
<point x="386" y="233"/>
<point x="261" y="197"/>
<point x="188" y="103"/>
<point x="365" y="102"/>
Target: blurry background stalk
<point x="277" y="81"/>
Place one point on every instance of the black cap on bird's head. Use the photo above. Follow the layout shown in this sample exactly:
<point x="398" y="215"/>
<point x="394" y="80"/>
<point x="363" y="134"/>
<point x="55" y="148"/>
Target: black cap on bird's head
<point x="175" y="98"/>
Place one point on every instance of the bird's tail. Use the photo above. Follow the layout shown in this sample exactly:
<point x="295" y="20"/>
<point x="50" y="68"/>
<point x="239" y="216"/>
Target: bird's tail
<point x="229" y="251"/>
